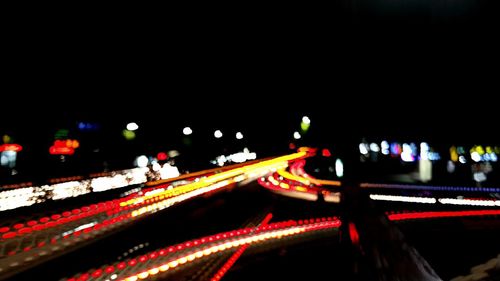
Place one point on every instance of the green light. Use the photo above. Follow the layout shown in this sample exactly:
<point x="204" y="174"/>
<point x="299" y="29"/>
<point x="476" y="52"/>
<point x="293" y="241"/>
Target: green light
<point x="129" y="135"/>
<point x="61" y="134"/>
<point x="304" y="126"/>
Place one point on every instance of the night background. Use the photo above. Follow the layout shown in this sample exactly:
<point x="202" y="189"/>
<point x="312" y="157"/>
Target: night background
<point x="357" y="141"/>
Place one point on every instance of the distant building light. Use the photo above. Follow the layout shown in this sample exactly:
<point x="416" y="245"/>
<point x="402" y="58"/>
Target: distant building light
<point x="218" y="134"/>
<point x="239" y="135"/>
<point x="326" y="152"/>
<point x="187" y="131"/>
<point x="306" y="120"/>
<point x="374" y="147"/>
<point x="132" y="126"/>
<point x="10" y="147"/>
<point x="142" y="161"/>
<point x="296" y="135"/>
<point x="406" y="154"/>
<point x="339" y="168"/>
<point x="433" y="156"/>
<point x="479" y="176"/>
<point x="173" y="153"/>
<point x="162" y="156"/>
<point x="493" y="157"/>
<point x="61" y="150"/>
<point x="475" y="156"/>
<point x="462" y="159"/>
<point x="363" y="148"/>
<point x="395" y="149"/>
<point x="450" y="166"/>
<point x="156" y="167"/>
<point x="385" y="147"/>
<point x="128" y="135"/>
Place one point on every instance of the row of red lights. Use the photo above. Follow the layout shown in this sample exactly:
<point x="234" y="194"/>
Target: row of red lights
<point x="229" y="263"/>
<point x="192" y="244"/>
<point x="112" y="207"/>
<point x="442" y="214"/>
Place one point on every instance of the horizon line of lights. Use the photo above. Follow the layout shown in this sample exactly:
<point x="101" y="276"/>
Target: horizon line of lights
<point x="27" y="196"/>
<point x="150" y="192"/>
<point x="441" y="214"/>
<point x="432" y="200"/>
<point x="114" y="211"/>
<point x="250" y="170"/>
<point x="429" y="187"/>
<point x="173" y="257"/>
<point x="397" y="198"/>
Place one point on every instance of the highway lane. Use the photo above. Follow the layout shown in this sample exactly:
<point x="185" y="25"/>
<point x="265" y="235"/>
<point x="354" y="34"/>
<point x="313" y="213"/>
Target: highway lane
<point x="450" y="245"/>
<point x="223" y="211"/>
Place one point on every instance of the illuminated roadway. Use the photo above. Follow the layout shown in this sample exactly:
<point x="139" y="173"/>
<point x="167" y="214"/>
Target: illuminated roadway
<point x="286" y="222"/>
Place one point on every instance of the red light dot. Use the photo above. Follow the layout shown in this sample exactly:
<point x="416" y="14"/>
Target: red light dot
<point x="4" y="229"/>
<point x="18" y="226"/>
<point x="25" y="230"/>
<point x="110" y="269"/>
<point x="31" y="223"/>
<point x="83" y="277"/>
<point x="121" y="265"/>
<point x="55" y="217"/>
<point x="97" y="273"/>
<point x="9" y="235"/>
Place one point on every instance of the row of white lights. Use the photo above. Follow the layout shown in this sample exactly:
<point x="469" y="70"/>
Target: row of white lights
<point x="218" y="133"/>
<point x="430" y="200"/>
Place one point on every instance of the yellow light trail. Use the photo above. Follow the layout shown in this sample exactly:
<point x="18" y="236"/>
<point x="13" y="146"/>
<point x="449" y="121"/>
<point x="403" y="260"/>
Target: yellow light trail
<point x="272" y="164"/>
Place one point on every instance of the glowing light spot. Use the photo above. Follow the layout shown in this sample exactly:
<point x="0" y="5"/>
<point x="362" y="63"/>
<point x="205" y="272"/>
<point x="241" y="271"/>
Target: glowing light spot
<point x="462" y="159"/>
<point x="218" y="134"/>
<point x="132" y="126"/>
<point x="187" y="131"/>
<point x="339" y="168"/>
<point x="475" y="156"/>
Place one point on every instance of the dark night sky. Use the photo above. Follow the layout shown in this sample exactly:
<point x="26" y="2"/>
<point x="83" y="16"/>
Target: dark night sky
<point x="365" y="69"/>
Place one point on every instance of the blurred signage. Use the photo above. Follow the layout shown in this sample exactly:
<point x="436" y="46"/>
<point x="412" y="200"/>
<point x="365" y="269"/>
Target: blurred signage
<point x="10" y="147"/>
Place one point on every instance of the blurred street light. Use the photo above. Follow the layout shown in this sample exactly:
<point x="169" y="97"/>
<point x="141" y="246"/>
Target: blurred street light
<point x="304" y="125"/>
<point x="296" y="135"/>
<point x="187" y="131"/>
<point x="218" y="134"/>
<point x="132" y="126"/>
<point x="239" y="135"/>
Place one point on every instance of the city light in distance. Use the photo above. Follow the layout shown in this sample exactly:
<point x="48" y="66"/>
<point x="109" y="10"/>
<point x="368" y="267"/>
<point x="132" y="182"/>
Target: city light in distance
<point x="142" y="161"/>
<point x="132" y="126"/>
<point x="339" y="168"/>
<point x="218" y="134"/>
<point x="306" y="120"/>
<point x="296" y="135"/>
<point x="239" y="135"/>
<point x="187" y="131"/>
